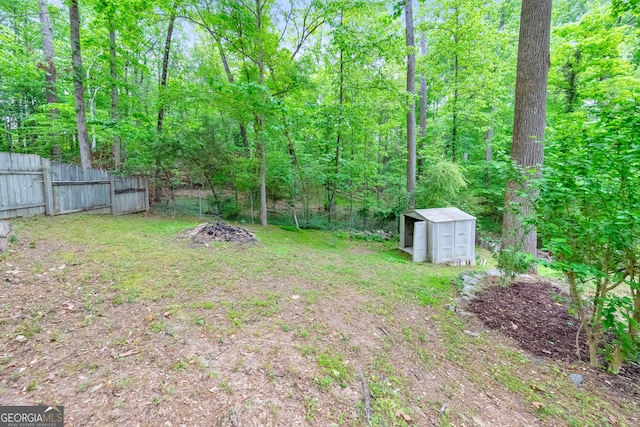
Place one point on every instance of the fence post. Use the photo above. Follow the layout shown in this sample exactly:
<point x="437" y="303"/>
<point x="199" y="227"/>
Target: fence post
<point x="112" y="191"/>
<point x="146" y="195"/>
<point x="48" y="190"/>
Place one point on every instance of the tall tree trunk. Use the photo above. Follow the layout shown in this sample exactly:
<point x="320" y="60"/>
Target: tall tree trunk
<point x="163" y="74"/>
<point x="423" y="103"/>
<point x="115" y="113"/>
<point x="488" y="151"/>
<point x="454" y="119"/>
<point x="78" y="85"/>
<point x="336" y="157"/>
<point x="227" y="70"/>
<point x="50" y="71"/>
<point x="262" y="149"/>
<point x="529" y="121"/>
<point x="411" y="114"/>
<point x="162" y="84"/>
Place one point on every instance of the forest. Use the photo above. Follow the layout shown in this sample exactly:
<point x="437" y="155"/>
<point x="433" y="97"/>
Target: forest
<point x="317" y="105"/>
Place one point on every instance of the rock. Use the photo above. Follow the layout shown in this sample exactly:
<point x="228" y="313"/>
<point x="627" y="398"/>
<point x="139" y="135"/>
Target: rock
<point x="462" y="300"/>
<point x="469" y="290"/>
<point x="576" y="378"/>
<point x="21" y="338"/>
<point x="96" y="388"/>
<point x="537" y="362"/>
<point x="5" y="229"/>
<point x="471" y="333"/>
<point x="469" y="280"/>
<point x="493" y="273"/>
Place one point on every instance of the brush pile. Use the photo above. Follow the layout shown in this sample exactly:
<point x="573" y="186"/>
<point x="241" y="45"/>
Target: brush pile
<point x="220" y="232"/>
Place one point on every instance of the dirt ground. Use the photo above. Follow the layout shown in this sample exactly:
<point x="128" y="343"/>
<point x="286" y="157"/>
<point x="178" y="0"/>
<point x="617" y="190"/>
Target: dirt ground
<point x="186" y="362"/>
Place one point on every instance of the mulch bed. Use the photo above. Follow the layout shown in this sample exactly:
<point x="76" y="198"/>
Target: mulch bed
<point x="536" y="315"/>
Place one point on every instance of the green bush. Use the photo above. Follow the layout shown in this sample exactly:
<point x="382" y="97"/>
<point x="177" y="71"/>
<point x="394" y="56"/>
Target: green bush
<point x="231" y="209"/>
<point x="440" y="185"/>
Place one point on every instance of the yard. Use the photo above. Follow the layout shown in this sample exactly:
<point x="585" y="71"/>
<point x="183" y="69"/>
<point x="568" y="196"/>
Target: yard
<point x="125" y="322"/>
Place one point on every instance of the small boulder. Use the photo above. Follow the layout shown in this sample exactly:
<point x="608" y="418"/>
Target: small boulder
<point x="5" y="230"/>
<point x="493" y="273"/>
<point x="469" y="280"/>
<point x="469" y="290"/>
<point x="576" y="378"/>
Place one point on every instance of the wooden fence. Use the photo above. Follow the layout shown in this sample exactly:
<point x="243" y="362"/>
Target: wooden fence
<point x="31" y="185"/>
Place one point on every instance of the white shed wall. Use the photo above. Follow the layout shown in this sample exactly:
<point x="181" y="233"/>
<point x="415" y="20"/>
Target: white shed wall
<point x="444" y="235"/>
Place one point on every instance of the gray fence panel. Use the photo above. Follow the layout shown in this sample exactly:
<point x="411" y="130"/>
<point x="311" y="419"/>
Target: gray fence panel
<point x="78" y="190"/>
<point x="31" y="185"/>
<point x="21" y="185"/>
<point x="130" y="195"/>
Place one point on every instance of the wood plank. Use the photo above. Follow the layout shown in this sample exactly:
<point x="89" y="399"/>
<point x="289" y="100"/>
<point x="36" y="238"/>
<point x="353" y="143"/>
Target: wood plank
<point x="18" y="207"/>
<point x="12" y="172"/>
<point x="58" y="183"/>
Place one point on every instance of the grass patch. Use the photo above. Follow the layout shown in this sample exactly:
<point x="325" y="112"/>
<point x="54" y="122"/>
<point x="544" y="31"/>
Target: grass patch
<point x="335" y="368"/>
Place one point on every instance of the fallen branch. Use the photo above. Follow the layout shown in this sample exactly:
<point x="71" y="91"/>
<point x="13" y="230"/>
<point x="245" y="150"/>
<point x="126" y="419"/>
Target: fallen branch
<point x="367" y="399"/>
<point x="387" y="334"/>
<point x="127" y="354"/>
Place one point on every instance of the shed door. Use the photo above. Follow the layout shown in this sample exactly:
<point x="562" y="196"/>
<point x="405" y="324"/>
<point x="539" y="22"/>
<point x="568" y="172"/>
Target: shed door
<point x="445" y="242"/>
<point x="420" y="241"/>
<point x="462" y="240"/>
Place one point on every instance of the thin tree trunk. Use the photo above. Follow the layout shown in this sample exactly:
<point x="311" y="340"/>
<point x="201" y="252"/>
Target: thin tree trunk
<point x="454" y="121"/>
<point x="411" y="114"/>
<point x="488" y="151"/>
<point x="162" y="84"/>
<point x="227" y="70"/>
<point x="163" y="75"/>
<point x="50" y="71"/>
<point x="423" y="104"/>
<point x="336" y="170"/>
<point x="115" y="114"/>
<point x="262" y="149"/>
<point x="78" y="85"/>
<point x="529" y="121"/>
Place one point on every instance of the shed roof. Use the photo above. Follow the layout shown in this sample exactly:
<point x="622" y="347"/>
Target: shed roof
<point x="443" y="214"/>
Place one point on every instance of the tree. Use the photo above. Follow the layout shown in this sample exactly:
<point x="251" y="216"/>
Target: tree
<point x="423" y="102"/>
<point x="78" y="84"/>
<point x="411" y="114"/>
<point x="589" y="217"/>
<point x="529" y="123"/>
<point x="464" y="68"/>
<point x="587" y="210"/>
<point x="49" y="67"/>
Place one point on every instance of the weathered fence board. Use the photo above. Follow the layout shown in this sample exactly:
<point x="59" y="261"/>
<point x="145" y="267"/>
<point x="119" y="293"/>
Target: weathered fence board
<point x="31" y="185"/>
<point x="22" y="193"/>
<point x="127" y="195"/>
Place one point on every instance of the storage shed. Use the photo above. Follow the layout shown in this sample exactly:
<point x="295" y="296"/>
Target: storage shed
<point x="441" y="235"/>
